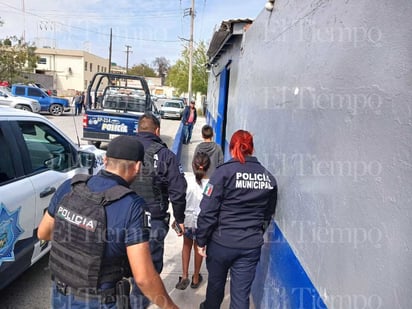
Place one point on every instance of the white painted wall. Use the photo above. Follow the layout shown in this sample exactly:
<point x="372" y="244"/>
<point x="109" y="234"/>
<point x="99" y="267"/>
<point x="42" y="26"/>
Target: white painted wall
<point x="325" y="87"/>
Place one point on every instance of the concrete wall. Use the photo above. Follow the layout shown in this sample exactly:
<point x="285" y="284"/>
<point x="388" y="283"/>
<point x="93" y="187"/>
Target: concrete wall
<point x="325" y="87"/>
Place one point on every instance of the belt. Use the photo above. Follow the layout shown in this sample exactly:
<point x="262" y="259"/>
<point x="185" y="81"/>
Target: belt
<point x="104" y="296"/>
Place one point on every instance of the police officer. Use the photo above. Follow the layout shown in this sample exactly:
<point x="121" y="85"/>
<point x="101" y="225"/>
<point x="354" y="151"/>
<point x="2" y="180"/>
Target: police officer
<point x="161" y="180"/>
<point x="97" y="226"/>
<point x="236" y="208"/>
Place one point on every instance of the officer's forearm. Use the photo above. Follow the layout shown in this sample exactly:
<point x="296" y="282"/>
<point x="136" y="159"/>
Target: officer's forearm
<point x="154" y="289"/>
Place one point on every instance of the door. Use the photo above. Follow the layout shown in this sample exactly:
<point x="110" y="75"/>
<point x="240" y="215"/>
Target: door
<point x="222" y="108"/>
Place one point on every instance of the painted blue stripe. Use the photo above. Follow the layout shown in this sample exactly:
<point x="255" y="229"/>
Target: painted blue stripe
<point x="281" y="281"/>
<point x="177" y="143"/>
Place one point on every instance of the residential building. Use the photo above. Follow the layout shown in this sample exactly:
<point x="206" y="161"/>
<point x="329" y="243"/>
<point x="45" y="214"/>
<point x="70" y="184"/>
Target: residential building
<point x="71" y="69"/>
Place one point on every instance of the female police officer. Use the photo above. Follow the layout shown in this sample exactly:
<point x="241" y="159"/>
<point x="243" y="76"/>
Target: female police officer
<point x="236" y="207"/>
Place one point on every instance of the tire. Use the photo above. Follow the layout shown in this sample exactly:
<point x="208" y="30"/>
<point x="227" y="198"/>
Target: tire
<point x="23" y="107"/>
<point x="56" y="109"/>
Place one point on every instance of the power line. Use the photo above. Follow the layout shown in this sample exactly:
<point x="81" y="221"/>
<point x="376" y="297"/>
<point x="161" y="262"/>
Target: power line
<point x="87" y="30"/>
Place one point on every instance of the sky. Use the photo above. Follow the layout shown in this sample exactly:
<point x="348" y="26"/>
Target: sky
<point x="152" y="28"/>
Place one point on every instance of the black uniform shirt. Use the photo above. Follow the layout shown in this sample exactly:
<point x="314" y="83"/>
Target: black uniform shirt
<point x="171" y="174"/>
<point x="236" y="203"/>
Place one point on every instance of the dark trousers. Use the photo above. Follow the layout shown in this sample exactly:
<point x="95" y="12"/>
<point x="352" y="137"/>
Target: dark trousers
<point x="242" y="265"/>
<point x="158" y="234"/>
<point x="61" y="301"/>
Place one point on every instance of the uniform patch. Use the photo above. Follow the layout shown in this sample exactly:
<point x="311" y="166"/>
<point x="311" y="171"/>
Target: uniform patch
<point x="76" y="219"/>
<point x="208" y="189"/>
<point x="10" y="230"/>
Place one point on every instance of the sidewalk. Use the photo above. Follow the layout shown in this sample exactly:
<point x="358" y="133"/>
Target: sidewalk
<point x="189" y="298"/>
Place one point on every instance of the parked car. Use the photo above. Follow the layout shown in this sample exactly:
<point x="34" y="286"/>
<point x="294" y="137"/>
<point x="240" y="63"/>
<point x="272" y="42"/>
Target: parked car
<point x="36" y="157"/>
<point x="11" y="100"/>
<point x="53" y="105"/>
<point x="172" y="109"/>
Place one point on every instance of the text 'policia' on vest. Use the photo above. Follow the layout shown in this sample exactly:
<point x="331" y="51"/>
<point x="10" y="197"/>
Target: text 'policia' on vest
<point x="148" y="184"/>
<point x="79" y="241"/>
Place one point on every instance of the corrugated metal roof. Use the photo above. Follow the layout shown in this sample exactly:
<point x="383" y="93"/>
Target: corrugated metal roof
<point x="222" y="36"/>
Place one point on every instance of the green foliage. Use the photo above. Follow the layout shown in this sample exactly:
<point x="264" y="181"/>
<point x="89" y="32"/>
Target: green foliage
<point x="162" y="65"/>
<point x="178" y="75"/>
<point x="142" y="69"/>
<point x="16" y="57"/>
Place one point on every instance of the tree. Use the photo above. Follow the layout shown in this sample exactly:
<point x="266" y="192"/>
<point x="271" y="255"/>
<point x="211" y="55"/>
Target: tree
<point x="178" y="75"/>
<point x="16" y="57"/>
<point x="162" y="66"/>
<point x="142" y="69"/>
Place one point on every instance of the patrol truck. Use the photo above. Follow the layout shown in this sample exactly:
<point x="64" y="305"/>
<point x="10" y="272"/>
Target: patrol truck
<point x="36" y="157"/>
<point x="118" y="101"/>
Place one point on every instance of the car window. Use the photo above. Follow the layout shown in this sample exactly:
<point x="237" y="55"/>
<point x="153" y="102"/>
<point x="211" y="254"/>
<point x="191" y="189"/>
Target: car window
<point x="34" y="92"/>
<point x="47" y="148"/>
<point x="7" y="171"/>
<point x="20" y="91"/>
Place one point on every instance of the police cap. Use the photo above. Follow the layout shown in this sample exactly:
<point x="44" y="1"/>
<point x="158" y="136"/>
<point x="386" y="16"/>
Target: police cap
<point x="125" y="147"/>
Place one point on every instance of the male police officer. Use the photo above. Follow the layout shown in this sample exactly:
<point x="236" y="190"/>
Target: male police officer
<point x="97" y="226"/>
<point x="161" y="179"/>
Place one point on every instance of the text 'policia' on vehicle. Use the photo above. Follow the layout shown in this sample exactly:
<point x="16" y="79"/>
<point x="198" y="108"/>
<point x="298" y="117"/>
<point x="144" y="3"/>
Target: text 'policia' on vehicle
<point x="118" y="101"/>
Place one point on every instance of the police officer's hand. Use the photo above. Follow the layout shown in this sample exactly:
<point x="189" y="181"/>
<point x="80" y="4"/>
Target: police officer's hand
<point x="202" y="251"/>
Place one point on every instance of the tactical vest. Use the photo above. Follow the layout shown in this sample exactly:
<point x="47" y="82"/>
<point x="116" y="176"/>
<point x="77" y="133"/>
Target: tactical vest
<point x="148" y="184"/>
<point x="79" y="238"/>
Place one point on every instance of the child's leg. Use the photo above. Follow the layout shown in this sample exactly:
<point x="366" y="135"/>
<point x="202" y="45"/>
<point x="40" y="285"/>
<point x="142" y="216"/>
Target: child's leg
<point x="187" y="248"/>
<point x="197" y="263"/>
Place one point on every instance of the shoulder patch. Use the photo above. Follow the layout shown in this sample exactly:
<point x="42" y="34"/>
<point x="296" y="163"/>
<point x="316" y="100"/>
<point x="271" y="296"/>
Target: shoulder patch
<point x="10" y="230"/>
<point x="208" y="189"/>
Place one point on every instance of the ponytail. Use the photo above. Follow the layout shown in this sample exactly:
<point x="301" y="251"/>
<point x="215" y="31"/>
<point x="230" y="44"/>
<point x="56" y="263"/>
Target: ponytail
<point x="241" y="145"/>
<point x="200" y="165"/>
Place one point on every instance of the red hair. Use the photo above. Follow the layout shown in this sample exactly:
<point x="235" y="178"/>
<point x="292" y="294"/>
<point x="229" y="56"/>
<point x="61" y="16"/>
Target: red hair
<point x="241" y="145"/>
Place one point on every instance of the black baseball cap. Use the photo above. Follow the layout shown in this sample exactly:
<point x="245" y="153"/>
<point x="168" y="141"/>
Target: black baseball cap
<point x="125" y="147"/>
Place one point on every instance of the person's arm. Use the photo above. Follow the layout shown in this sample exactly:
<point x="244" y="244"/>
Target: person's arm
<point x="46" y="226"/>
<point x="146" y="276"/>
<point x="177" y="186"/>
<point x="210" y="204"/>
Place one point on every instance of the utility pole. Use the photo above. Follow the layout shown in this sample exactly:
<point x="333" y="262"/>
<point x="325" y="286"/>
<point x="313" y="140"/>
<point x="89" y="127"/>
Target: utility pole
<point x="127" y="57"/>
<point x="192" y="23"/>
<point x="110" y="52"/>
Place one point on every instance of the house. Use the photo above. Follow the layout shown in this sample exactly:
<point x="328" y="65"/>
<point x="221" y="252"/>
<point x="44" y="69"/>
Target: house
<point x="324" y="86"/>
<point x="70" y="69"/>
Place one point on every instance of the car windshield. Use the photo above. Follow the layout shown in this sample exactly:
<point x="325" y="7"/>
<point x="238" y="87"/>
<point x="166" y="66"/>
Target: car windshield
<point x="6" y="90"/>
<point x="172" y="104"/>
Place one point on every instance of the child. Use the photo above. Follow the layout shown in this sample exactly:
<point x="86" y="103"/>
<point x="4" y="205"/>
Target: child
<point x="195" y="186"/>
<point x="211" y="148"/>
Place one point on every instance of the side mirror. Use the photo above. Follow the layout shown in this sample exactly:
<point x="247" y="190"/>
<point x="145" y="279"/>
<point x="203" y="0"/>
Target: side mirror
<point x="87" y="160"/>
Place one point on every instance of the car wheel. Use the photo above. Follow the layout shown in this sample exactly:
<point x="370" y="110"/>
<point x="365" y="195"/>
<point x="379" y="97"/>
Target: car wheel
<point x="56" y="110"/>
<point x="24" y="107"/>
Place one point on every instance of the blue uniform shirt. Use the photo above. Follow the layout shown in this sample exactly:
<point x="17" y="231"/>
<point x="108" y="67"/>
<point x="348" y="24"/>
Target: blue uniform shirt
<point x="125" y="217"/>
<point x="238" y="200"/>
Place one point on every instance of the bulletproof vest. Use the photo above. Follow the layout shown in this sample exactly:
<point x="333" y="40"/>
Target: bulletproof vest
<point x="79" y="238"/>
<point x="149" y="185"/>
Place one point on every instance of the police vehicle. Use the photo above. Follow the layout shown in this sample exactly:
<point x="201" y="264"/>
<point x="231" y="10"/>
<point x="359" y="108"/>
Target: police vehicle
<point x="120" y="100"/>
<point x="36" y="157"/>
